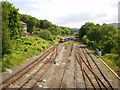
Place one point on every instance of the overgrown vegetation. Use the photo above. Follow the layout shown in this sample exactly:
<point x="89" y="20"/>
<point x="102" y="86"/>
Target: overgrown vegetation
<point x="24" y="48"/>
<point x="46" y="35"/>
<point x="41" y="34"/>
<point x="103" y="37"/>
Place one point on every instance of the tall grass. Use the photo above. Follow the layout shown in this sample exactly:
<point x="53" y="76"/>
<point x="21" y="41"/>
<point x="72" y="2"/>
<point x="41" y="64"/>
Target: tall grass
<point x="24" y="48"/>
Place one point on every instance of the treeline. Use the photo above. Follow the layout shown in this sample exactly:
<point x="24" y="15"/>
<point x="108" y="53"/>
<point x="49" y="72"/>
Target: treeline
<point x="11" y="27"/>
<point x="35" y="25"/>
<point x="103" y="37"/>
<point x="44" y="28"/>
<point x="16" y="49"/>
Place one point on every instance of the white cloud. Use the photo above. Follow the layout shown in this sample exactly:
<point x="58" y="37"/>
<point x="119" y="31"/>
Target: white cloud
<point x="69" y="12"/>
<point x="39" y="1"/>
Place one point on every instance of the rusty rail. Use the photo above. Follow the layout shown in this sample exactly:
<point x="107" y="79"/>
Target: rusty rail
<point x="100" y="70"/>
<point x="28" y="67"/>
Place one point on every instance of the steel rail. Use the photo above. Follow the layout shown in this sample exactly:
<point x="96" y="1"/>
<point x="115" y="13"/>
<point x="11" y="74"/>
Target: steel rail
<point x="33" y="86"/>
<point x="25" y="67"/>
<point x="100" y="71"/>
<point x="93" y="72"/>
<point x="75" y="73"/>
<point x="90" y="67"/>
<point x="80" y="63"/>
<point x="28" y="68"/>
<point x="60" y="86"/>
<point x="36" y="71"/>
<point x="67" y="62"/>
<point x="89" y="79"/>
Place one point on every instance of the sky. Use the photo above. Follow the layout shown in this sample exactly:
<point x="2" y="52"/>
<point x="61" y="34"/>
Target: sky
<point x="70" y="13"/>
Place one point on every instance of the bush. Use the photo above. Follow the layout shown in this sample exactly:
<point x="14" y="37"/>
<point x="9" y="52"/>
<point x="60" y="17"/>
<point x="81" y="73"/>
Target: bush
<point x="113" y="58"/>
<point x="45" y="34"/>
<point x="36" y="32"/>
<point x="86" y="40"/>
<point x="44" y="46"/>
<point x="24" y="48"/>
<point x="28" y="43"/>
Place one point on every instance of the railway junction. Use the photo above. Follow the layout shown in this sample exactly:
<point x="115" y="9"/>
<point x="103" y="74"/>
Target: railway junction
<point x="60" y="67"/>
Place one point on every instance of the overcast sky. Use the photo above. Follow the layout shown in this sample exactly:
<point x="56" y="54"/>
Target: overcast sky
<point x="70" y="13"/>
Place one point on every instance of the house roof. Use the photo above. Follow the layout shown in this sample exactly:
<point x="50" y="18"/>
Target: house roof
<point x="22" y="22"/>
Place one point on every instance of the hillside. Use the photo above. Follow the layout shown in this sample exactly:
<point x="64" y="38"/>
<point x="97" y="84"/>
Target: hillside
<point x="115" y="24"/>
<point x="74" y="29"/>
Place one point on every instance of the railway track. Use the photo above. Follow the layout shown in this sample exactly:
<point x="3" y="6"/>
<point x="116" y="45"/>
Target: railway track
<point x="92" y="74"/>
<point x="61" y="70"/>
<point x="48" y="68"/>
<point x="63" y="83"/>
<point x="32" y="67"/>
<point x="76" y="69"/>
<point x="102" y="74"/>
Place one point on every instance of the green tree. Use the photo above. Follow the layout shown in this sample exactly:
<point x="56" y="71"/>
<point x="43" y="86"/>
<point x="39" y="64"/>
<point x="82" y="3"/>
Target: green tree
<point x="55" y="30"/>
<point x="31" y="22"/>
<point x="44" y="24"/>
<point x="104" y="37"/>
<point x="10" y="16"/>
<point x="109" y="36"/>
<point x="45" y="34"/>
<point x="10" y="26"/>
<point x="66" y="31"/>
<point x="83" y="30"/>
<point x="94" y="33"/>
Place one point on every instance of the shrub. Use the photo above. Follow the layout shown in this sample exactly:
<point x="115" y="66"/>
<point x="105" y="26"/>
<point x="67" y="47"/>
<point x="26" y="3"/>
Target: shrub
<point x="44" y="46"/>
<point x="45" y="34"/>
<point x="85" y="39"/>
<point x="24" y="48"/>
<point x="113" y="58"/>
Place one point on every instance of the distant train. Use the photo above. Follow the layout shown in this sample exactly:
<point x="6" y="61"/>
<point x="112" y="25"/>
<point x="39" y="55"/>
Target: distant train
<point x="65" y="39"/>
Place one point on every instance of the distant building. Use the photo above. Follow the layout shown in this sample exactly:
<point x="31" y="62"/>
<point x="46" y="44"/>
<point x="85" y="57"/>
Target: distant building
<point x="23" y="28"/>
